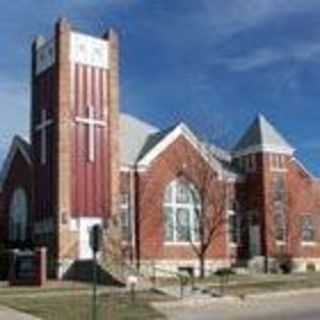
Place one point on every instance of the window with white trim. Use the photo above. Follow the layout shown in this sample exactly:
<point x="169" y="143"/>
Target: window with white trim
<point x="234" y="227"/>
<point x="279" y="222"/>
<point x="277" y="161"/>
<point x="308" y="230"/>
<point x="181" y="211"/>
<point x="233" y="222"/>
<point x="248" y="163"/>
<point x="125" y="216"/>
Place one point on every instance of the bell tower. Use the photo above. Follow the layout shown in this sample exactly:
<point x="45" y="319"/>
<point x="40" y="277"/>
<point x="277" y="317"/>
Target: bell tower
<point x="74" y="121"/>
<point x="262" y="154"/>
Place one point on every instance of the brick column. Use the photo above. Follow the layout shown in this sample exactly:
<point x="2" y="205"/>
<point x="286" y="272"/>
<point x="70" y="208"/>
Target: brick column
<point x="113" y="239"/>
<point x="63" y="136"/>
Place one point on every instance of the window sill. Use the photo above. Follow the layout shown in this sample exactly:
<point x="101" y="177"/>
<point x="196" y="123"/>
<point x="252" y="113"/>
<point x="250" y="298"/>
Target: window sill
<point x="308" y="243"/>
<point x="233" y="245"/>
<point x="279" y="170"/>
<point x="182" y="244"/>
<point x="280" y="243"/>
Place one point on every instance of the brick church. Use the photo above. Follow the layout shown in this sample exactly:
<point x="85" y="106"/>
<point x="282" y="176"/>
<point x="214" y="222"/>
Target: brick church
<point x="166" y="196"/>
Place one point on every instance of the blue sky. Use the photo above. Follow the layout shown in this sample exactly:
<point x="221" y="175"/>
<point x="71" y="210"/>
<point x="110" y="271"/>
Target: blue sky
<point x="213" y="63"/>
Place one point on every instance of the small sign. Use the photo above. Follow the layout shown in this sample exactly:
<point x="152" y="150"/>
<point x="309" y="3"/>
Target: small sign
<point x="28" y="267"/>
<point x="25" y="266"/>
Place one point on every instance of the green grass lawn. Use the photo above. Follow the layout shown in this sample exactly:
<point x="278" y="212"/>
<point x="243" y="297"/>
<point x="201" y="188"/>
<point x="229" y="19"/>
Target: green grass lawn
<point x="110" y="306"/>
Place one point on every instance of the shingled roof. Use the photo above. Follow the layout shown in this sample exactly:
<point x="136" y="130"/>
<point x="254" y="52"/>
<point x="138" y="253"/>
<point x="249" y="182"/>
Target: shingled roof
<point x="134" y="135"/>
<point x="262" y="136"/>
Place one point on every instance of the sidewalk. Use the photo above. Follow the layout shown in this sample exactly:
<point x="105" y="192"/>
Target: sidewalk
<point x="10" y="314"/>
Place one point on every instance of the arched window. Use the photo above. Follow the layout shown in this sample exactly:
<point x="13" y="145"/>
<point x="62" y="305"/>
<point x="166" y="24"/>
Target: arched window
<point x="181" y="212"/>
<point x="18" y="216"/>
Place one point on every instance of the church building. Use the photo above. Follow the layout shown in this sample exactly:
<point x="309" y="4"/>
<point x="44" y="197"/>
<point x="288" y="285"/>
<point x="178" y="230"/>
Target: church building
<point x="165" y="198"/>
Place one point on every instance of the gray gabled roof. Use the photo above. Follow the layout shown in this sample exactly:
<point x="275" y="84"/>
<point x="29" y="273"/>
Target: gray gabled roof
<point x="18" y="144"/>
<point x="134" y="134"/>
<point x="139" y="138"/>
<point x="262" y="136"/>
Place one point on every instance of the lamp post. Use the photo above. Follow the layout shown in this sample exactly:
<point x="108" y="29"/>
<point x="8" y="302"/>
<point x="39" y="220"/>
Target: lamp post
<point x="95" y="244"/>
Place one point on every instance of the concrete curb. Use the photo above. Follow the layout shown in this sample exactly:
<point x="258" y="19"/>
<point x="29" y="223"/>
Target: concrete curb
<point x="206" y="301"/>
<point x="192" y="302"/>
<point x="286" y="293"/>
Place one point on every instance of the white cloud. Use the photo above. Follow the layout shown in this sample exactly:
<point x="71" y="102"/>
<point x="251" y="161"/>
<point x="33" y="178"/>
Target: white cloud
<point x="235" y="15"/>
<point x="106" y="3"/>
<point x="262" y="57"/>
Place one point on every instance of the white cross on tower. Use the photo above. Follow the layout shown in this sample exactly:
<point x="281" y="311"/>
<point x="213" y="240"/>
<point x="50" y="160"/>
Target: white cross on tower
<point x="42" y="127"/>
<point x="91" y="122"/>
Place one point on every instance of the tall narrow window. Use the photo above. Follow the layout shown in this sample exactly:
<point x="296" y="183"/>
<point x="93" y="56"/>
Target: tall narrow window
<point x="18" y="216"/>
<point x="125" y="217"/>
<point x="279" y="198"/>
<point x="308" y="231"/>
<point x="234" y="222"/>
<point x="280" y="227"/>
<point x="181" y="211"/>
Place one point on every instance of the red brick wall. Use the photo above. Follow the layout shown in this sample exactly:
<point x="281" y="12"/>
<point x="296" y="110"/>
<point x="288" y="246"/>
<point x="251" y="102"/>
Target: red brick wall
<point x="179" y="156"/>
<point x="303" y="197"/>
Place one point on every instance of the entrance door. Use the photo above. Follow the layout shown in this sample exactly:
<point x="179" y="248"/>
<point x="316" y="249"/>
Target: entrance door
<point x="255" y="241"/>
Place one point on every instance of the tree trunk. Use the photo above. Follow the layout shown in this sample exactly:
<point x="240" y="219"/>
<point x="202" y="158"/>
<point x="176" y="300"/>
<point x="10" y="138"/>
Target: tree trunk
<point x="202" y="259"/>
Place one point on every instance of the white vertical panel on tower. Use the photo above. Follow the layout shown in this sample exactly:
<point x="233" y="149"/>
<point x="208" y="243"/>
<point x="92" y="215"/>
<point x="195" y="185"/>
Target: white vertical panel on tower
<point x="88" y="50"/>
<point x="45" y="56"/>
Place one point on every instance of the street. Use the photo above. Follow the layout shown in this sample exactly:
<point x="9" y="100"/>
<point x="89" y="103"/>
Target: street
<point x="300" y="307"/>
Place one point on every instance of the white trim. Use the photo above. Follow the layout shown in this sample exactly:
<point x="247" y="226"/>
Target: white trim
<point x="16" y="146"/>
<point x="278" y="170"/>
<point x="265" y="149"/>
<point x="132" y="199"/>
<point x="181" y="243"/>
<point x="125" y="169"/>
<point x="136" y="168"/>
<point x="231" y="243"/>
<point x="308" y="243"/>
<point x="300" y="164"/>
<point x="180" y="130"/>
